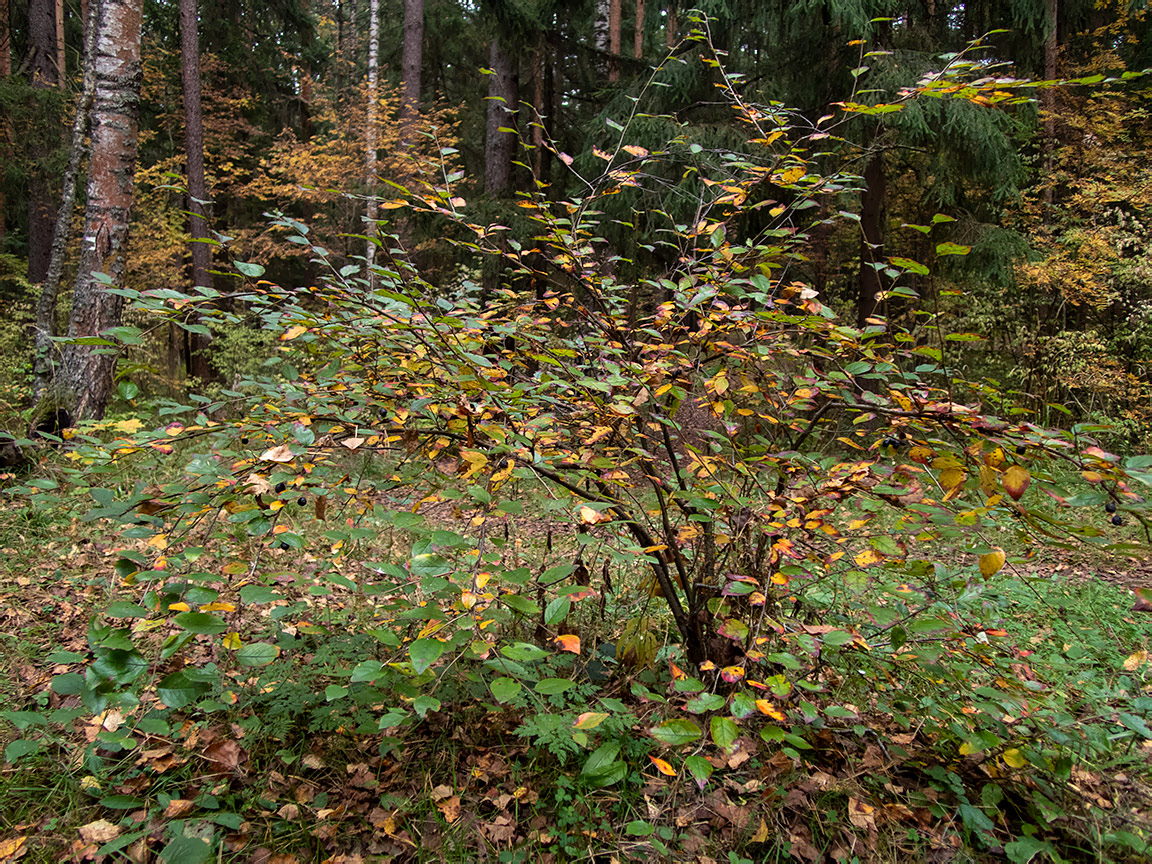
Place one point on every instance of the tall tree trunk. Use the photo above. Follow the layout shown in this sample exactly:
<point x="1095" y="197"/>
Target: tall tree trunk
<point x="87" y="376"/>
<point x="5" y="71"/>
<point x="43" y="367"/>
<point x="614" y="16"/>
<point x="872" y="239"/>
<point x="500" y="147"/>
<point x="61" y="63"/>
<point x="600" y="29"/>
<point x="198" y="366"/>
<point x="638" y="42"/>
<point x="370" y="132"/>
<point x="5" y="41"/>
<point x="411" y="61"/>
<point x="1051" y="54"/>
<point x="503" y="100"/>
<point x="673" y="34"/>
<point x="41" y="201"/>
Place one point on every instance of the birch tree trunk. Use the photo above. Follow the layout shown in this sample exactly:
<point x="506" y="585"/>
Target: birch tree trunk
<point x="86" y="377"/>
<point x="43" y="362"/>
<point x="370" y="132"/>
<point x="198" y="366"/>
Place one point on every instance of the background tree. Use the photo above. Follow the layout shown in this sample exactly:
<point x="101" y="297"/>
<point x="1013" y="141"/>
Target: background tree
<point x="198" y="343"/>
<point x="86" y="376"/>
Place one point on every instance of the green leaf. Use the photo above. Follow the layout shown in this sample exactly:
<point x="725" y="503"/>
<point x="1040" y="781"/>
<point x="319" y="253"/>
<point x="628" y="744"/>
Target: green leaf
<point x="601" y="768"/>
<point x="124" y="609"/>
<point x="505" y="689"/>
<point x="18" y="749"/>
<point x="677" y="731"/>
<point x="178" y="689"/>
<point x="724" y="732"/>
<point x="552" y="686"/>
<point x="557" y="611"/>
<point x="333" y="692"/>
<point x="700" y="769"/>
<point x="254" y="271"/>
<point x="952" y="249"/>
<point x="639" y="828"/>
<point x="202" y="623"/>
<point x="257" y="654"/>
<point x="424" y="652"/>
<point x="523" y="652"/>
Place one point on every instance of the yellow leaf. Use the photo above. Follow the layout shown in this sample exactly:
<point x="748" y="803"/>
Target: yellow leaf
<point x="1014" y="758"/>
<point x="991" y="562"/>
<point x="867" y="558"/>
<point x="129" y="426"/>
<point x="158" y="541"/>
<point x="761" y="835"/>
<point x="590" y="516"/>
<point x="1135" y="661"/>
<point x="293" y="332"/>
<point x="1016" y="481"/>
<point x="179" y="607"/>
<point x="218" y="606"/>
<point x="589" y="720"/>
<point x="231" y="641"/>
<point x="988" y="480"/>
<point x="951" y="478"/>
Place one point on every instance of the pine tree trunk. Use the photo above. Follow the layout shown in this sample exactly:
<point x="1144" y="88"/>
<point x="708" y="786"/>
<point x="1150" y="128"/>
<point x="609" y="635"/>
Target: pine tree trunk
<point x="87" y="376"/>
<point x="370" y="132"/>
<point x="43" y="362"/>
<point x="198" y="366"/>
<point x="1051" y="54"/>
<point x="61" y="63"/>
<point x="872" y="241"/>
<point x="673" y="34"/>
<point x="41" y="201"/>
<point x="503" y="100"/>
<point x="411" y="61"/>
<point x="5" y="41"/>
<point x="614" y="16"/>
<point x="638" y="43"/>
<point x="5" y="71"/>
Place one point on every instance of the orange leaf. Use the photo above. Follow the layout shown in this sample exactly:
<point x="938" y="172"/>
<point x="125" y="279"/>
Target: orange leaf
<point x="568" y="642"/>
<point x="663" y="767"/>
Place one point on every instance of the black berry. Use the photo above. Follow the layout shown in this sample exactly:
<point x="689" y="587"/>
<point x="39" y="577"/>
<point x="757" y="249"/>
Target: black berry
<point x="1117" y="519"/>
<point x="301" y="500"/>
<point x="1020" y="449"/>
<point x="243" y="440"/>
<point x="280" y="487"/>
<point x="283" y="545"/>
<point x="1110" y="507"/>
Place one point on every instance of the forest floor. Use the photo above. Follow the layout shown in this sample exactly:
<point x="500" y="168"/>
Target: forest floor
<point x="475" y="786"/>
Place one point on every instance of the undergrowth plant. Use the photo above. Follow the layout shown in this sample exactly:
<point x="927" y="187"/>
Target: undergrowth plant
<point x="807" y="517"/>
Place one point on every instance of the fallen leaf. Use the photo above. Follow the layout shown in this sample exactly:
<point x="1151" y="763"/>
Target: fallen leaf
<point x="449" y="808"/>
<point x="663" y="767"/>
<point x="178" y="807"/>
<point x="13" y="848"/>
<point x="99" y="832"/>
